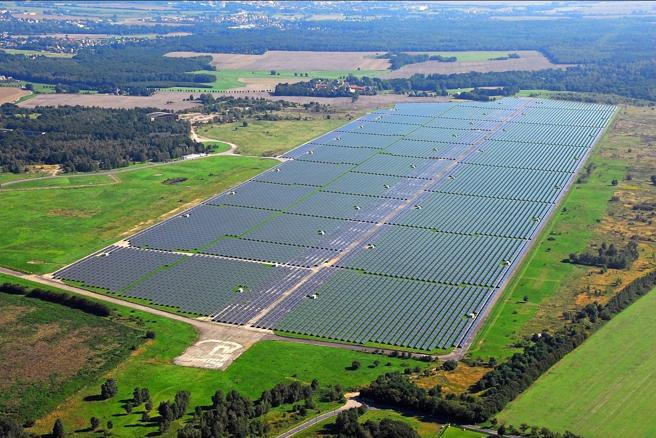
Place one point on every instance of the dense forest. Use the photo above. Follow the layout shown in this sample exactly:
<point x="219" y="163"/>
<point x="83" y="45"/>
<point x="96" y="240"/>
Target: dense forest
<point x="129" y="69"/>
<point x="87" y="139"/>
<point x="634" y="80"/>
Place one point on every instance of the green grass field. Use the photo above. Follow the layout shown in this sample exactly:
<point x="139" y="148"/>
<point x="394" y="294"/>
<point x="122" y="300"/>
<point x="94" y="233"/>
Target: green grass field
<point x="268" y="138"/>
<point x="37" y="52"/>
<point x="151" y="366"/>
<point x="605" y="387"/>
<point x="456" y="432"/>
<point x="543" y="275"/>
<point x="55" y="226"/>
<point x="48" y="352"/>
<point x="228" y="79"/>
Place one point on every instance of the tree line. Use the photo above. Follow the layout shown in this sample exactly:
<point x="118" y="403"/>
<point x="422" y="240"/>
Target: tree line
<point x="73" y="301"/>
<point x="634" y="80"/>
<point x="127" y="69"/>
<point x="86" y="139"/>
<point x="347" y="425"/>
<point x="399" y="59"/>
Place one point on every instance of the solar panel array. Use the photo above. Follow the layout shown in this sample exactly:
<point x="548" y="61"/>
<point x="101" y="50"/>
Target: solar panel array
<point x="397" y="228"/>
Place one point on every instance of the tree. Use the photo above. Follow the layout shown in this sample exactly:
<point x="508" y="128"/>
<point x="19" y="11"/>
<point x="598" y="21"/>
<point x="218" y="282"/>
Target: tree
<point x="110" y="425"/>
<point x="653" y="179"/>
<point x="9" y="428"/>
<point x="450" y="365"/>
<point x="58" y="429"/>
<point x="128" y="408"/>
<point x="94" y="422"/>
<point x="614" y="182"/>
<point x="355" y="365"/>
<point x="244" y="124"/>
<point x="501" y="431"/>
<point x="108" y="389"/>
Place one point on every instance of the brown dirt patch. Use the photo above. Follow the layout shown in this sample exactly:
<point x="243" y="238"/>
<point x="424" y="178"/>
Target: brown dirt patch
<point x="457" y="381"/>
<point x="294" y="60"/>
<point x="43" y="354"/>
<point x="162" y="100"/>
<point x="11" y="94"/>
<point x="529" y="61"/>
<point x="62" y="212"/>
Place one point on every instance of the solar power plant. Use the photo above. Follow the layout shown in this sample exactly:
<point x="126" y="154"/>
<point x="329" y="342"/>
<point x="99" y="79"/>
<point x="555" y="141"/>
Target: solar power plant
<point x="399" y="228"/>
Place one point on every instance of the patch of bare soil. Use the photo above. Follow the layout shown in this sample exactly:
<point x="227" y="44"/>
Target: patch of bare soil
<point x="62" y="212"/>
<point x="163" y="100"/>
<point x="41" y="353"/>
<point x="11" y="94"/>
<point x="528" y="61"/>
<point x="294" y="60"/>
<point x="456" y="381"/>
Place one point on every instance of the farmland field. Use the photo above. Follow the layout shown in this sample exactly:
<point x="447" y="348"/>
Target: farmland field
<point x="343" y="202"/>
<point x="11" y="94"/>
<point x="94" y="216"/>
<point x="602" y="387"/>
<point x="162" y="100"/>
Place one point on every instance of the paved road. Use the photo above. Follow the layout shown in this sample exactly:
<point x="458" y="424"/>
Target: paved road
<point x="351" y="402"/>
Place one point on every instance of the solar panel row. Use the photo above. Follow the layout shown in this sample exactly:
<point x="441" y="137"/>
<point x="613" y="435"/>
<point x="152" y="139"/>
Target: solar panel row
<point x="411" y="219"/>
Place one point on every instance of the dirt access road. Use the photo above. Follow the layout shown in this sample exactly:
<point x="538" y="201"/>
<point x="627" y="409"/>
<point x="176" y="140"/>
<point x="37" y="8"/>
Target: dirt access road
<point x="351" y="402"/>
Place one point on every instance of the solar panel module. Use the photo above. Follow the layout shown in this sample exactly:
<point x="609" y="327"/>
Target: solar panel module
<point x="398" y="228"/>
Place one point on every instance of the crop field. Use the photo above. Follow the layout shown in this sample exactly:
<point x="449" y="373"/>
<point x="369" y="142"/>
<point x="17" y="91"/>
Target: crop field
<point x="11" y="94"/>
<point x="349" y="240"/>
<point x="602" y="387"/>
<point x="529" y="60"/>
<point x="162" y="100"/>
<point x="263" y="80"/>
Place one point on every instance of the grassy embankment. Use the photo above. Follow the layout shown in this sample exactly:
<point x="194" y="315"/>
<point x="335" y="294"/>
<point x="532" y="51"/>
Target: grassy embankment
<point x="604" y="387"/>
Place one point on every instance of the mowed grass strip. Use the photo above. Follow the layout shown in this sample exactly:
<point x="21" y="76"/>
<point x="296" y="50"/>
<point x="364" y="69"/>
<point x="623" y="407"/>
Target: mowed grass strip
<point x="269" y="138"/>
<point x="47" y="229"/>
<point x="603" y="388"/>
<point x="543" y="275"/>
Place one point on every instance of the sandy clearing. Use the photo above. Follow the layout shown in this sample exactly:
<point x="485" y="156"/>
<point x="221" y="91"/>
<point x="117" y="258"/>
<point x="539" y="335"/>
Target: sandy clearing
<point x="11" y="94"/>
<point x="529" y="61"/>
<point x="294" y="60"/>
<point x="162" y="100"/>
